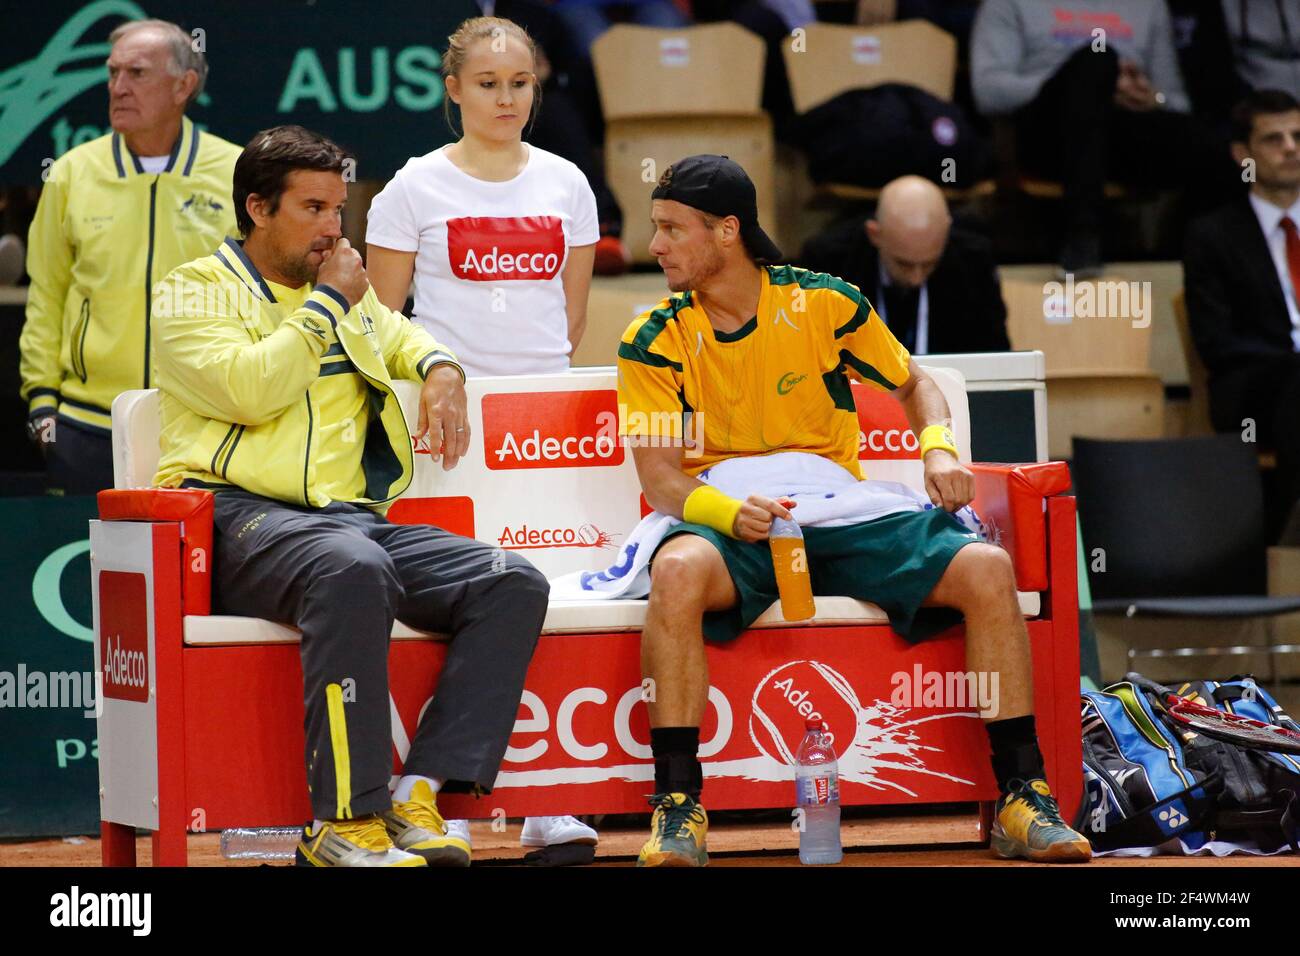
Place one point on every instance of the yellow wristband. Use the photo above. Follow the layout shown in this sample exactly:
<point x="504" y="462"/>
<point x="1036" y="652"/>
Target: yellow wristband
<point x="711" y="508"/>
<point x="938" y="436"/>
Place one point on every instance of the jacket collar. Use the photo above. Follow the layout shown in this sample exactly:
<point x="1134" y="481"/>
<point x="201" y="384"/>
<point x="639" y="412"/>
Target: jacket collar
<point x="232" y="256"/>
<point x="180" y="162"/>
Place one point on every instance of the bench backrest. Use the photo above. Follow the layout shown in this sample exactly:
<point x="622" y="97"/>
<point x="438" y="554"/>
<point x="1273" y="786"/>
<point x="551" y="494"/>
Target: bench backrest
<point x="546" y="474"/>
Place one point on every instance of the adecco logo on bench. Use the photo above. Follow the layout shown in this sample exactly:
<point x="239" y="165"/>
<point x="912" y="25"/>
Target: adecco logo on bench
<point x="883" y="431"/>
<point x="124" y="635"/>
<point x="576" y="429"/>
<point x="586" y="536"/>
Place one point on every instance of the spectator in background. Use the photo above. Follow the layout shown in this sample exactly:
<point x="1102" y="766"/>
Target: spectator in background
<point x="585" y="20"/>
<point x="115" y="216"/>
<point x="1095" y="91"/>
<point x="773" y="21"/>
<point x="1205" y="60"/>
<point x="499" y="236"/>
<point x="588" y="19"/>
<point x="1241" y="268"/>
<point x="935" y="286"/>
<point x="1265" y="38"/>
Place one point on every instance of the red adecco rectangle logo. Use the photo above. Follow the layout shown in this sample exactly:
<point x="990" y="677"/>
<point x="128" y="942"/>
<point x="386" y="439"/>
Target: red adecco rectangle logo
<point x="551" y="430"/>
<point x="883" y="430"/>
<point x="503" y="248"/>
<point x="124" y="635"/>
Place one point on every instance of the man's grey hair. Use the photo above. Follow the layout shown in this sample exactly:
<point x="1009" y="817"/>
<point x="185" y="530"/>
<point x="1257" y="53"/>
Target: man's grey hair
<point x="181" y="45"/>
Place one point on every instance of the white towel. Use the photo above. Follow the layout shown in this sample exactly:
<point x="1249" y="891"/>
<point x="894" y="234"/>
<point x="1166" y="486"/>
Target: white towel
<point x="826" y="495"/>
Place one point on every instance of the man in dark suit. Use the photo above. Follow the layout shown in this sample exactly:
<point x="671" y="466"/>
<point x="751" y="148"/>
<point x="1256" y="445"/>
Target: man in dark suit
<point x="1241" y="269"/>
<point x="936" y="287"/>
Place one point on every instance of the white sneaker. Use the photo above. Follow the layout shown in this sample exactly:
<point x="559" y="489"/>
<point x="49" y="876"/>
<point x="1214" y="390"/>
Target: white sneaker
<point x="552" y="831"/>
<point x="460" y="830"/>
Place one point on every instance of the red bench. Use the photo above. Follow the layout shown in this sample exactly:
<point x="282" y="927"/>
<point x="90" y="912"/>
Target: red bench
<point x="202" y="715"/>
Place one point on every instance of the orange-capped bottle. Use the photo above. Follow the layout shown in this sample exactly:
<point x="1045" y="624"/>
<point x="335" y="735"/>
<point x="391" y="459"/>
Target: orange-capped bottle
<point x="793" y="580"/>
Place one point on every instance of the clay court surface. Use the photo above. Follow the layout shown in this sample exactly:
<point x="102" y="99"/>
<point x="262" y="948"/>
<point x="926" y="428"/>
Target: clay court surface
<point x="932" y="840"/>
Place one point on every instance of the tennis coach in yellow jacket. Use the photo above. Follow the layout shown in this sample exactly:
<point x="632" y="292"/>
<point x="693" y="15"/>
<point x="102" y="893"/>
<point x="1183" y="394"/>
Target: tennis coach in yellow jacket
<point x="115" y="216"/>
<point x="275" y="360"/>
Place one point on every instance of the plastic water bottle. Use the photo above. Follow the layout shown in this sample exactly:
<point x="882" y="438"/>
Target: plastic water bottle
<point x="260" y="843"/>
<point x="793" y="579"/>
<point x="817" y="786"/>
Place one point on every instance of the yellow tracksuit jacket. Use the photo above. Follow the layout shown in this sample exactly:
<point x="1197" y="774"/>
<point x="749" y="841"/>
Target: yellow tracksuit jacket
<point x="234" y="373"/>
<point x="105" y="231"/>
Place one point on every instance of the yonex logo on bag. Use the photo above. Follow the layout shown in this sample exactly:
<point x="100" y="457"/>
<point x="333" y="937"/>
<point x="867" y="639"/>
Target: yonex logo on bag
<point x="1172" y="817"/>
<point x="504" y="248"/>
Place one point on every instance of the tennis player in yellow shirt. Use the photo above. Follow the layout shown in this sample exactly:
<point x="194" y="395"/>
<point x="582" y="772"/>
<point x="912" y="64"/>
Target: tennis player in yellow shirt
<point x="761" y="355"/>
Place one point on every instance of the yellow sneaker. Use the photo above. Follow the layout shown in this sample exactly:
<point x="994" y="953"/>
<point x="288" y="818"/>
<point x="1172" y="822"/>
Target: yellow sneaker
<point x="679" y="832"/>
<point x="362" y="842"/>
<point x="417" y="827"/>
<point x="1029" y="825"/>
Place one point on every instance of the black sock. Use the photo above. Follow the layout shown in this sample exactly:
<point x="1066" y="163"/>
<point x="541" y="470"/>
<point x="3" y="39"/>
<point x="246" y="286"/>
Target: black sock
<point x="1015" y="750"/>
<point x="677" y="768"/>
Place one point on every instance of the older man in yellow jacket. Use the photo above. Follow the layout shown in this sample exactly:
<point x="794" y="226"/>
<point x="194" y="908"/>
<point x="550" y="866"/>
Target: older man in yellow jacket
<point x="116" y="215"/>
<point x="275" y="360"/>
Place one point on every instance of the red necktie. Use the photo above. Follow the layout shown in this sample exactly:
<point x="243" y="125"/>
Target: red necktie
<point x="1292" y="253"/>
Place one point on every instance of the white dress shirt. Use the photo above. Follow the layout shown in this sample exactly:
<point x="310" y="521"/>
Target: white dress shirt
<point x="1270" y="221"/>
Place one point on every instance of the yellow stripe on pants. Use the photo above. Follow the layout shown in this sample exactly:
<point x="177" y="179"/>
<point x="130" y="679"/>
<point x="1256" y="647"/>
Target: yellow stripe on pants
<point x="339" y="741"/>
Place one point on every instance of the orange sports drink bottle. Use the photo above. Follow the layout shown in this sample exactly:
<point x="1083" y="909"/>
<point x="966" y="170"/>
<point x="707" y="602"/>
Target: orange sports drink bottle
<point x="793" y="580"/>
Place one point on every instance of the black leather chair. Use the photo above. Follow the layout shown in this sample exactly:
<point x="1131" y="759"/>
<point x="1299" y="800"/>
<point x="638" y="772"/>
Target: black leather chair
<point x="1181" y="526"/>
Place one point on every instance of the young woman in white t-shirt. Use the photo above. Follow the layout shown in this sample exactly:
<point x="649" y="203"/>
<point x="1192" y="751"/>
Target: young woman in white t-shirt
<point x="500" y="237"/>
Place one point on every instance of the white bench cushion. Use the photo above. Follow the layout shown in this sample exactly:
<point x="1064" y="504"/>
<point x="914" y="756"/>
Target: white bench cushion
<point x="563" y="617"/>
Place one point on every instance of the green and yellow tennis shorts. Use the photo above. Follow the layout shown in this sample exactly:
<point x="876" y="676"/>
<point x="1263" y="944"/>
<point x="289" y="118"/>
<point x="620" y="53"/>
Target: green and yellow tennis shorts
<point x="894" y="561"/>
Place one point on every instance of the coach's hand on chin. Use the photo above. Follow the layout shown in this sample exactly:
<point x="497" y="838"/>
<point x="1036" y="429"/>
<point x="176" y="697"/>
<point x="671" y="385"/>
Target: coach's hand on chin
<point x="341" y="268"/>
<point x="948" y="482"/>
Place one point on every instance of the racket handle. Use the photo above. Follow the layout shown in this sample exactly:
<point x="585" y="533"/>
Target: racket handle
<point x="1137" y="680"/>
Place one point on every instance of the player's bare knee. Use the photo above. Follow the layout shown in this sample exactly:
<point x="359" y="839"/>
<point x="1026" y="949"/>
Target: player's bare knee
<point x="996" y="571"/>
<point x="979" y="577"/>
<point x="679" y="582"/>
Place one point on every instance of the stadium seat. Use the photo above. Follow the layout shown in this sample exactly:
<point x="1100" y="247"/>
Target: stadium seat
<point x="1198" y="379"/>
<point x="1099" y="379"/>
<point x="661" y="99"/>
<point x="823" y="60"/>
<point x="221" y="729"/>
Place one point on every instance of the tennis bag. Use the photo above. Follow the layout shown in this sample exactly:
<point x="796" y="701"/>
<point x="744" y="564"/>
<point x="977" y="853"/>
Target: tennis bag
<point x="1147" y="780"/>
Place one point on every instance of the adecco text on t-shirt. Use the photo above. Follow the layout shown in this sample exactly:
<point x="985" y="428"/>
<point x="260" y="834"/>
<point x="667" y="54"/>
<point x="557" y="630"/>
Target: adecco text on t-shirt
<point x="490" y="249"/>
<point x="490" y="256"/>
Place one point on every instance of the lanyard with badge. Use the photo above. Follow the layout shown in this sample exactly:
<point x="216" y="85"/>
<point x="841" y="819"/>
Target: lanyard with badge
<point x="922" y="311"/>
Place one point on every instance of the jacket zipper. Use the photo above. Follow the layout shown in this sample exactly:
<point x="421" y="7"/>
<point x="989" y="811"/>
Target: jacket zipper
<point x="79" y="353"/>
<point x="306" y="464"/>
<point x="148" y="276"/>
<point x="388" y="392"/>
